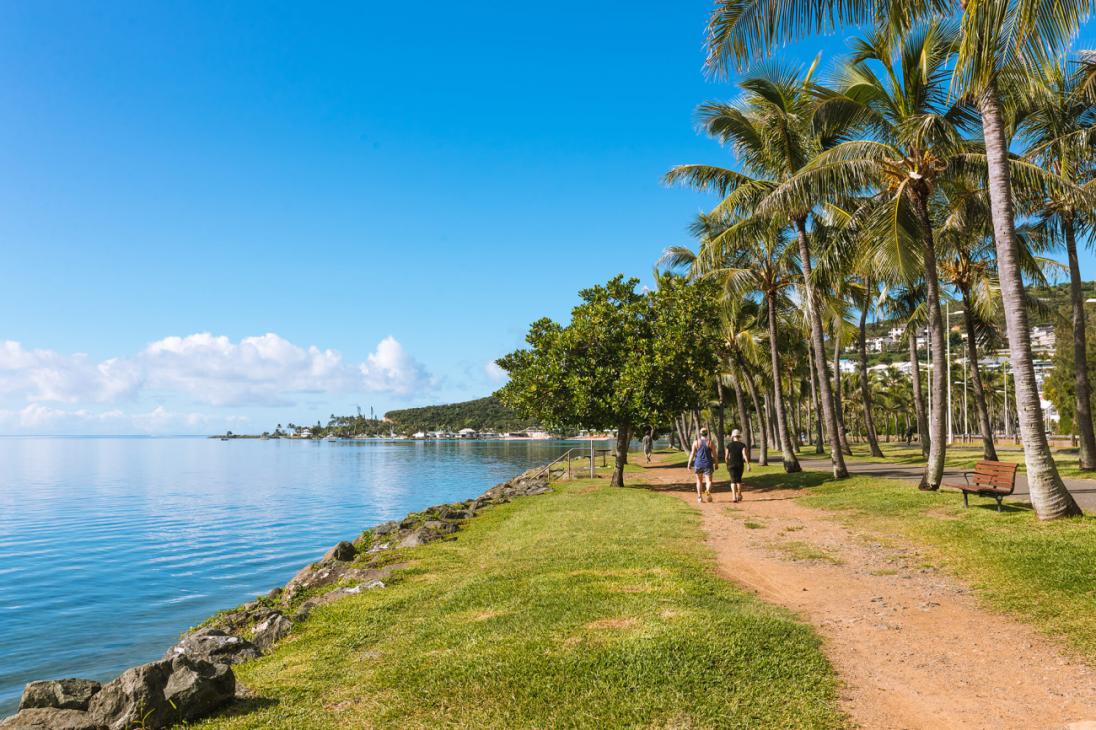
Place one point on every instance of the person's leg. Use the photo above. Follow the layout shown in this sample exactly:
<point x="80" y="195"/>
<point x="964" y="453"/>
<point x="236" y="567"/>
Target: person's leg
<point x="708" y="485"/>
<point x="698" y="497"/>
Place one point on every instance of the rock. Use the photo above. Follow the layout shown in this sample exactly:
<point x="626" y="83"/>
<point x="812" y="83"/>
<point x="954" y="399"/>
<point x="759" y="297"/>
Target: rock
<point x="270" y="630"/>
<point x="378" y="548"/>
<point x="215" y="646"/>
<point x="50" y="718"/>
<point x="162" y="693"/>
<point x="62" y="694"/>
<point x="198" y="688"/>
<point x="385" y="528"/>
<point x="327" y="573"/>
<point x="306" y="608"/>
<point x="343" y="551"/>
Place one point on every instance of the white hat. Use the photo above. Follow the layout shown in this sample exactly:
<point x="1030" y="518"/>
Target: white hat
<point x="735" y="433"/>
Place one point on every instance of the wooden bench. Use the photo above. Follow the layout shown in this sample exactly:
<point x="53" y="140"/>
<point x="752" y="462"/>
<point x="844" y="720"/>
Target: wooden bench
<point x="995" y="479"/>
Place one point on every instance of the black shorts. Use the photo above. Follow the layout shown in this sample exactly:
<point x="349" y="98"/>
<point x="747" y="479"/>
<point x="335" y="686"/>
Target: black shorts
<point x="736" y="472"/>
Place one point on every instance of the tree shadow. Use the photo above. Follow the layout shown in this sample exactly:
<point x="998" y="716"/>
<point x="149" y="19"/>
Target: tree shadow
<point x="245" y="706"/>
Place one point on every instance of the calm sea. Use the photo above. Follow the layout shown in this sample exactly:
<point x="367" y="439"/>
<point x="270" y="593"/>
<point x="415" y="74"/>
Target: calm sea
<point x="111" y="547"/>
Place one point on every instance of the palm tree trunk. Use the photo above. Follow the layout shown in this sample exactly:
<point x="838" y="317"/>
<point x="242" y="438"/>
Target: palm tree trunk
<point x="988" y="449"/>
<point x="791" y="463"/>
<point x="838" y="399"/>
<point x="1049" y="495"/>
<point x="1082" y="389"/>
<point x="865" y="385"/>
<point x="934" y="468"/>
<point x="819" y="439"/>
<point x="918" y="399"/>
<point x="762" y="425"/>
<point x="719" y="422"/>
<point x="829" y="414"/>
<point x="743" y="414"/>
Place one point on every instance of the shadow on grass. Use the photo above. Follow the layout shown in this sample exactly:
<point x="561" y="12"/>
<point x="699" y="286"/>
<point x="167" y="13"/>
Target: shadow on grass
<point x="245" y="706"/>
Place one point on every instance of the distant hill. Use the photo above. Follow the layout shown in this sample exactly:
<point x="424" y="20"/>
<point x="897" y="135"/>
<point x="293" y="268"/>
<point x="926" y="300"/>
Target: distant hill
<point x="483" y="414"/>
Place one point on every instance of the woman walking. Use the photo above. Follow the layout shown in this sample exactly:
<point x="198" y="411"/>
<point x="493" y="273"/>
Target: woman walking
<point x="703" y="459"/>
<point x="738" y="457"/>
<point x="648" y="444"/>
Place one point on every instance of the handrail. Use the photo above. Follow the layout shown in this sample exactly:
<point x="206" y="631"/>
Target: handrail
<point x="547" y="468"/>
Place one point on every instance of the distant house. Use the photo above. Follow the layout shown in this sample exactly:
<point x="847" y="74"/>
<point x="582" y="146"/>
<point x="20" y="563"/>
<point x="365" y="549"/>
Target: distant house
<point x="468" y="433"/>
<point x="305" y="434"/>
<point x="1042" y="337"/>
<point x="418" y="435"/>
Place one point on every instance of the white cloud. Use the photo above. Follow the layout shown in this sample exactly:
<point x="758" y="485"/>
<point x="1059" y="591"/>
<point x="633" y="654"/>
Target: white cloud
<point x="495" y="373"/>
<point x="42" y="419"/>
<point x="206" y="369"/>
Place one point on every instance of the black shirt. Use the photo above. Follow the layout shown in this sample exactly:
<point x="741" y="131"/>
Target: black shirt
<point x="736" y="449"/>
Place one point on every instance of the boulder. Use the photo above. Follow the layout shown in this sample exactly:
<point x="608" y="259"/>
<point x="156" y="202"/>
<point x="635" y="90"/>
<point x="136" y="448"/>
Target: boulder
<point x="342" y="551"/>
<point x="62" y="694"/>
<point x="215" y="647"/>
<point x="270" y="630"/>
<point x="327" y="573"/>
<point x="50" y="718"/>
<point x="162" y="693"/>
<point x="306" y="607"/>
<point x="385" y="528"/>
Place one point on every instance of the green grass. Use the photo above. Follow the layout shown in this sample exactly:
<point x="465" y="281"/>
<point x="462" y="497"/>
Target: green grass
<point x="797" y="550"/>
<point x="592" y="607"/>
<point x="1040" y="572"/>
<point x="963" y="457"/>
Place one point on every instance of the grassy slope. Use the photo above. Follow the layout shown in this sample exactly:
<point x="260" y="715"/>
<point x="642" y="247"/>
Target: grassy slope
<point x="592" y="607"/>
<point x="1040" y="572"/>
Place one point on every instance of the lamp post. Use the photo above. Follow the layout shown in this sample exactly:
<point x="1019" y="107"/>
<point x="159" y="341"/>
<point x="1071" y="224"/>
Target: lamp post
<point x="947" y="309"/>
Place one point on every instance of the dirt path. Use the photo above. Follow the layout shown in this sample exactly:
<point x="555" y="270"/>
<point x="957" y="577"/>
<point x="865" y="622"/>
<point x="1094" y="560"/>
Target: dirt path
<point x="912" y="647"/>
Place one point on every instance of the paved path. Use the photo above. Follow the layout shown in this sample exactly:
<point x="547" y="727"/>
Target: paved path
<point x="1083" y="490"/>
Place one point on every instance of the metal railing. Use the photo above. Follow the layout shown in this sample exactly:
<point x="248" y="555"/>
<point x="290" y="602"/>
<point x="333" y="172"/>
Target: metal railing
<point x="570" y="455"/>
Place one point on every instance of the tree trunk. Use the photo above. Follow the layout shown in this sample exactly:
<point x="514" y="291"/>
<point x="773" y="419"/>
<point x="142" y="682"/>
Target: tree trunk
<point x="1049" y="495"/>
<point x="762" y="426"/>
<point x="818" y="346"/>
<point x="865" y="385"/>
<point x="624" y="437"/>
<point x="791" y="463"/>
<point x="934" y="468"/>
<point x="838" y="399"/>
<point x="819" y="448"/>
<point x="988" y="450"/>
<point x="743" y="414"/>
<point x="1082" y="389"/>
<point x="719" y="420"/>
<point x="918" y="400"/>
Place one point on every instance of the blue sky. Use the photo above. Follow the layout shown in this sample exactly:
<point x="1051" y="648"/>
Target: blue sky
<point x="237" y="214"/>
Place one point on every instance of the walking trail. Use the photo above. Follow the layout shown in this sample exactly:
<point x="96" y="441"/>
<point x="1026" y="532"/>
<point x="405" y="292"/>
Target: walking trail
<point x="912" y="646"/>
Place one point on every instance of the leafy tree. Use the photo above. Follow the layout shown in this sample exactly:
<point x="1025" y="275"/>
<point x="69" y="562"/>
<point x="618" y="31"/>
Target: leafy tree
<point x="626" y="359"/>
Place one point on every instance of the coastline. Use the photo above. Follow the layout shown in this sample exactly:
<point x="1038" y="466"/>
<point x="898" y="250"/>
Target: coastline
<point x="195" y="677"/>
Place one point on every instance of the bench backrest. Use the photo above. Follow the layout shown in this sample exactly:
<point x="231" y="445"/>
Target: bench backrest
<point x="996" y="475"/>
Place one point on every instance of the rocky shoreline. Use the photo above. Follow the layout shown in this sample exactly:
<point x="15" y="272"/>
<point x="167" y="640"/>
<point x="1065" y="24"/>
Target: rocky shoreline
<point x="194" y="677"/>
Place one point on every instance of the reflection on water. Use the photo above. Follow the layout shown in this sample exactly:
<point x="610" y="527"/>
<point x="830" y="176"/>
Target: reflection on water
<point x="109" y="548"/>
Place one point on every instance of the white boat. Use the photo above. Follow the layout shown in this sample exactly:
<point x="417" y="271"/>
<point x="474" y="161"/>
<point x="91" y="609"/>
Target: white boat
<point x="331" y="438"/>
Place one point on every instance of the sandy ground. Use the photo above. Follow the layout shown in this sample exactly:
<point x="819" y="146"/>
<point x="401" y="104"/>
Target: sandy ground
<point x="911" y="645"/>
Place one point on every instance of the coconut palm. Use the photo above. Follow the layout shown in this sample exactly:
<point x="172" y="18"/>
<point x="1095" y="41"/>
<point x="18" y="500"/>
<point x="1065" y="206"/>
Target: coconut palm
<point x="915" y="139"/>
<point x="998" y="38"/>
<point x="907" y="304"/>
<point x="770" y="131"/>
<point x="762" y="262"/>
<point x="1059" y="125"/>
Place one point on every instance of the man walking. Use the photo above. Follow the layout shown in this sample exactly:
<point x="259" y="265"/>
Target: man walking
<point x="648" y="444"/>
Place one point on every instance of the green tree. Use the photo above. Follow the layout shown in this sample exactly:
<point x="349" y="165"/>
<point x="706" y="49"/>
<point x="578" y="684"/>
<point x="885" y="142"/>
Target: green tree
<point x="626" y="359"/>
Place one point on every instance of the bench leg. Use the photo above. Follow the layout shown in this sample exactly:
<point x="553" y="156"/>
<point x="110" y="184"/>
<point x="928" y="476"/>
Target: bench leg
<point x="966" y="502"/>
<point x="999" y="503"/>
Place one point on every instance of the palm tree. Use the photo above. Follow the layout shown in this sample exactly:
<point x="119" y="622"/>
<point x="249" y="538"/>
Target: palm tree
<point x="916" y="139"/>
<point x="970" y="269"/>
<point x="998" y="37"/>
<point x="906" y="304"/>
<point x="762" y="262"/>
<point x="1059" y="125"/>
<point x="771" y="134"/>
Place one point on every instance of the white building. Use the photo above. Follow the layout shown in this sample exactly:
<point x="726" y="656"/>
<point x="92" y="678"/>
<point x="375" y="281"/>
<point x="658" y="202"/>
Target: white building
<point x="468" y="433"/>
